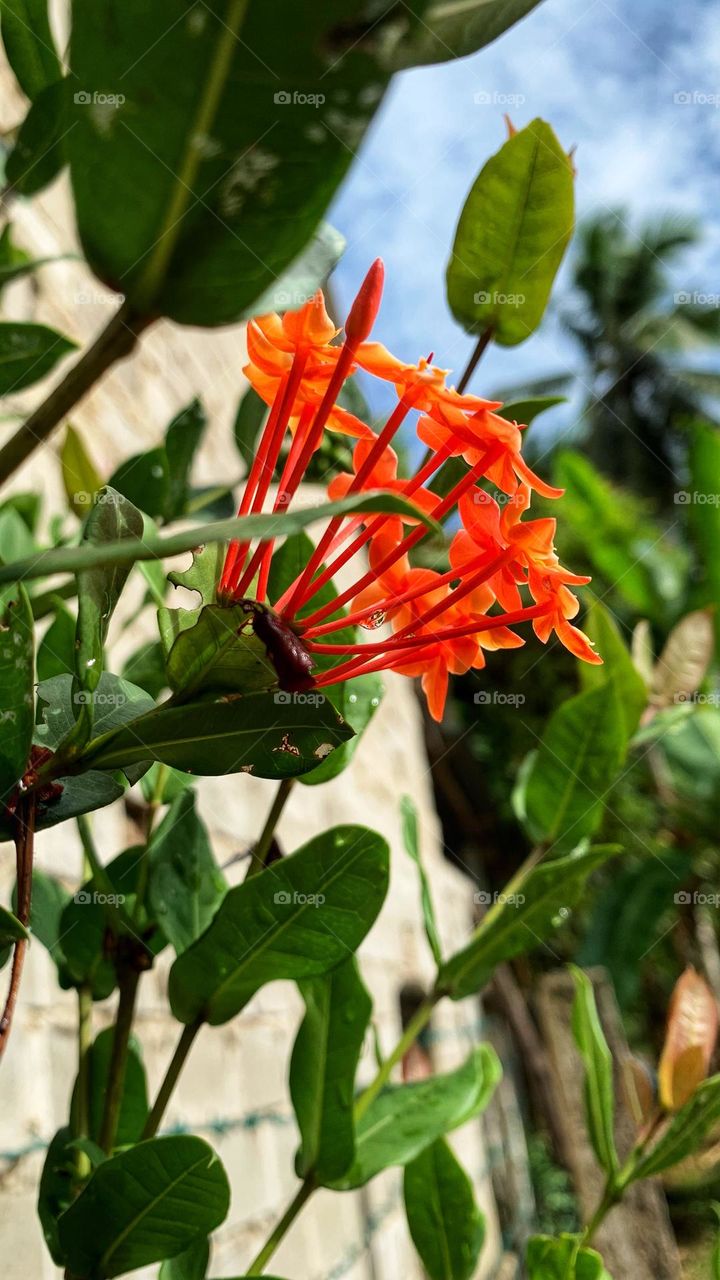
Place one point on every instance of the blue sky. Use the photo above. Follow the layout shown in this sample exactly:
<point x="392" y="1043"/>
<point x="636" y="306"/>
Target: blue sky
<point x="606" y="76"/>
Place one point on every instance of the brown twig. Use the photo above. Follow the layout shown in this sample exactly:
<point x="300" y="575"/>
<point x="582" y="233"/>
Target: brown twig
<point x="24" y="845"/>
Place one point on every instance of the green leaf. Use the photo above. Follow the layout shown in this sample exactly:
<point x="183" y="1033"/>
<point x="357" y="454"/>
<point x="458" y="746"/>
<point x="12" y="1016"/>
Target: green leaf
<point x="306" y="272"/>
<point x="144" y="1205"/>
<point x="203" y="212"/>
<point x="56" y="1190"/>
<point x="85" y="557"/>
<point x="599" y="1093"/>
<point x="16" y="687"/>
<point x="518" y="921"/>
<point x="27" y="353"/>
<point x="181" y="441"/>
<point x="134" y="1103"/>
<point x="405" y="1119"/>
<point x="56" y="653"/>
<point x="86" y="949"/>
<point x="411" y="840"/>
<point x="16" y="263"/>
<point x="259" y="733"/>
<point x="144" y="479"/>
<point x="298" y="919"/>
<point x="579" y="758"/>
<point x="684" y="1134"/>
<point x="525" y="411"/>
<point x="186" y="885"/>
<point x="322" y="1070"/>
<point x="356" y="701"/>
<point x="116" y="702"/>
<point x="40" y="148"/>
<point x="81" y="478"/>
<point x="29" y="44"/>
<point x="618" y="666"/>
<point x="49" y="899"/>
<point x="511" y="237"/>
<point x="99" y="588"/>
<point x="446" y="1226"/>
<point x="11" y="929"/>
<point x="146" y="668"/>
<point x="191" y="1264"/>
<point x="219" y="651"/>
<point x="250" y="416"/>
<point x="560" y="1258"/>
<point x="704" y="511"/>
<point x="447" y="30"/>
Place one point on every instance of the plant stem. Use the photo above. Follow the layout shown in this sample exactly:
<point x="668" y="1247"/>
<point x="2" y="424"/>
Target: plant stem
<point x="479" y="350"/>
<point x="610" y="1197"/>
<point x="177" y="1063"/>
<point x="262" y="848"/>
<point x="417" y="1023"/>
<point x="258" y="1265"/>
<point x="117" y="340"/>
<point x="24" y="835"/>
<point x="118" y="1062"/>
<point x="99" y="874"/>
<point x="82" y="1113"/>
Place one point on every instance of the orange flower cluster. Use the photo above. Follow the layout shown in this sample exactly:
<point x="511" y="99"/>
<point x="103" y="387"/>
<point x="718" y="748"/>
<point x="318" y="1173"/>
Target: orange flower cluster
<point x="441" y="623"/>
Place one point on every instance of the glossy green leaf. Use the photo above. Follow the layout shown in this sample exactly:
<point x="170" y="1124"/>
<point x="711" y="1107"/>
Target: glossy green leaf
<point x="16" y="687"/>
<point x="29" y="44"/>
<point x="405" y="1119"/>
<point x="220" y="651"/>
<point x="618" y="666"/>
<point x="511" y="237"/>
<point x="144" y="1205"/>
<point x="356" y="701"/>
<point x="446" y="1226"/>
<point x="28" y="352"/>
<point x="55" y="1193"/>
<point x="411" y="840"/>
<point x="40" y="147"/>
<point x="146" y="668"/>
<point x="186" y="885"/>
<point x="298" y="919"/>
<point x="87" y="950"/>
<point x="191" y="1264"/>
<point x="599" y="1092"/>
<point x="448" y="30"/>
<point x="144" y="479"/>
<point x="517" y="921"/>
<point x="181" y="441"/>
<point x="134" y="1103"/>
<point x="559" y="1258"/>
<point x="162" y="785"/>
<point x="525" y="411"/>
<point x="86" y="557"/>
<point x="56" y="652"/>
<point x="684" y="1133"/>
<point x="11" y="929"/>
<point x="116" y="702"/>
<point x="322" y="1070"/>
<point x="49" y="899"/>
<point x="200" y="232"/>
<point x="308" y="271"/>
<point x="81" y="479"/>
<point x="111" y="518"/>
<point x="260" y="734"/>
<point x="578" y="760"/>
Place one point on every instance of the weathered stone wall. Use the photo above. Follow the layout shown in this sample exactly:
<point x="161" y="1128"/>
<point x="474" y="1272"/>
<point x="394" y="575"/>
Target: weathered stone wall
<point x="235" y="1088"/>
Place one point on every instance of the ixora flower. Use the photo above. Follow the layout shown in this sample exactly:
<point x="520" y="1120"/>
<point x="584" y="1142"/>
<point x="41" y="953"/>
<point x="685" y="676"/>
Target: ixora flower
<point x="440" y="622"/>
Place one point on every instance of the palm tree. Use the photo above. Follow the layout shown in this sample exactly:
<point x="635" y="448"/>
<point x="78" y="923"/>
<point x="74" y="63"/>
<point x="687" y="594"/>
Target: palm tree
<point x="637" y="334"/>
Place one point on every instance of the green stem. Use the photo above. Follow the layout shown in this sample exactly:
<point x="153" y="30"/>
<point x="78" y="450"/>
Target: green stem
<point x="258" y="1265"/>
<point x="117" y="340"/>
<point x="417" y="1023"/>
<point x="152" y="812"/>
<point x="610" y="1197"/>
<point x="82" y="1112"/>
<point x="118" y="1062"/>
<point x="262" y="848"/>
<point x="177" y="1063"/>
<point x="99" y="874"/>
<point x="479" y="350"/>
